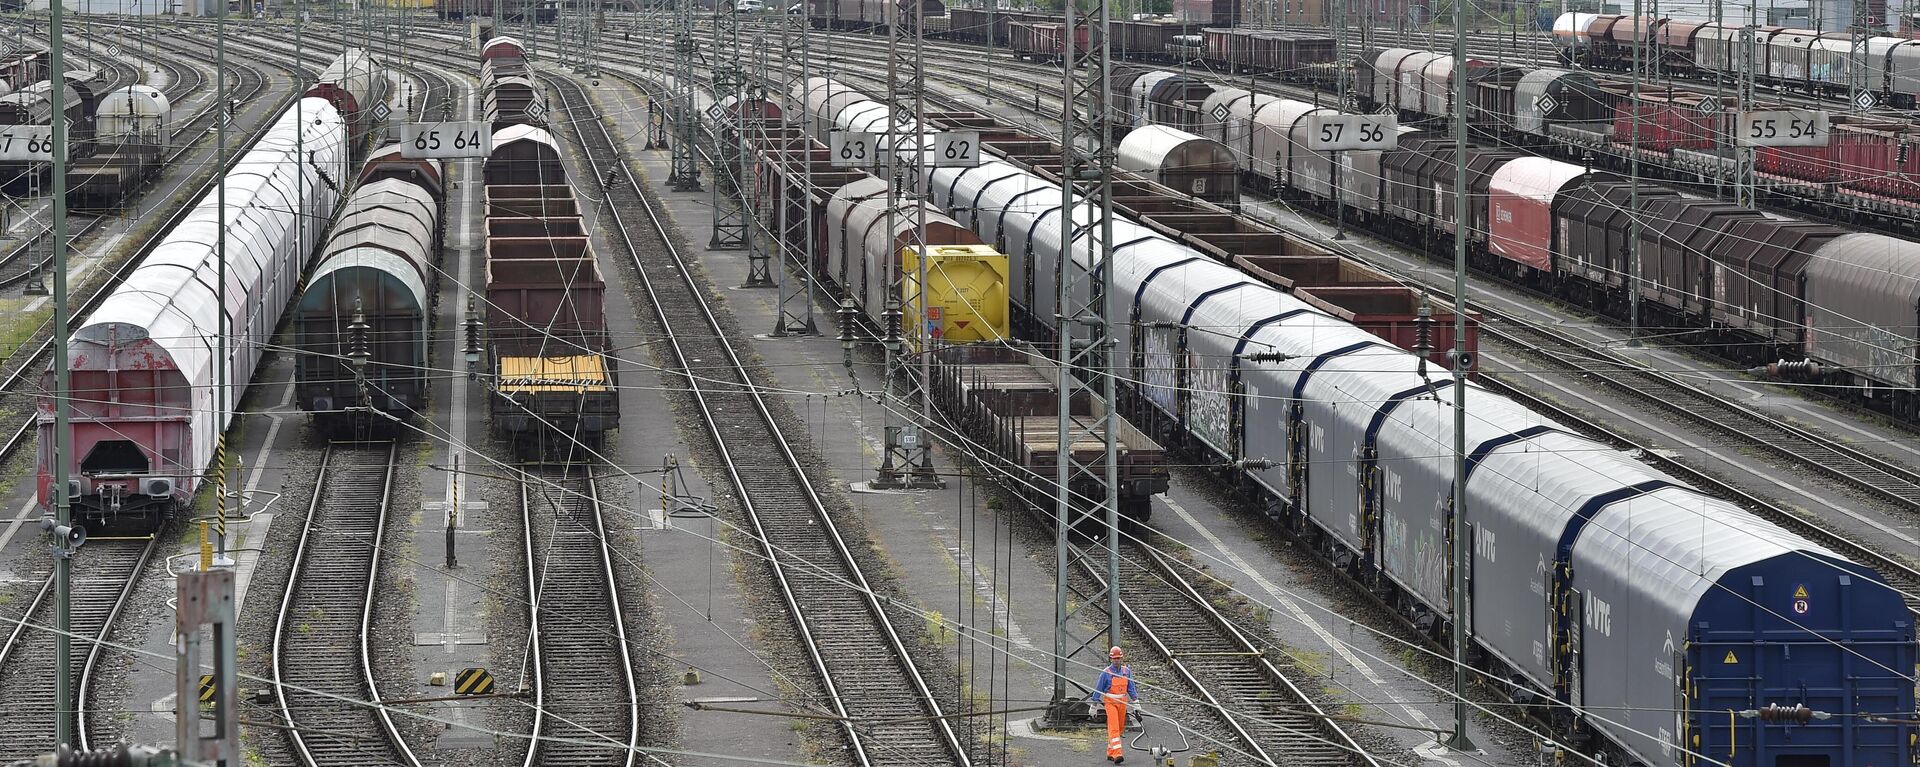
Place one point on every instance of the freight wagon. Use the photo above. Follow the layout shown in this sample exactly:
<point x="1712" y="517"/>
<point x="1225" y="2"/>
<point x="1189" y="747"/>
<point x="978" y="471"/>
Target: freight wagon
<point x="860" y="15"/>
<point x="361" y="325"/>
<point x="145" y="417"/>
<point x="1006" y="398"/>
<point x="553" y="385"/>
<point x="1342" y="435"/>
<point x="1795" y="59"/>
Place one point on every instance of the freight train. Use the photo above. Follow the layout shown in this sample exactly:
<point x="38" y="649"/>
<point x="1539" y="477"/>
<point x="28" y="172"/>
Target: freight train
<point x="861" y="15"/>
<point x="1758" y="287"/>
<point x="361" y="325"/>
<point x="1866" y="172"/>
<point x="542" y="11"/>
<point x="553" y="384"/>
<point x="146" y="422"/>
<point x="1002" y="392"/>
<point x="507" y="85"/>
<point x="1640" y="613"/>
<point x="1829" y="63"/>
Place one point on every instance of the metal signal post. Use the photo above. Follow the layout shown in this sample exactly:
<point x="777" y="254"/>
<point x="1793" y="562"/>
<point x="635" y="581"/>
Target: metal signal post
<point x="1462" y="361"/>
<point x="62" y="390"/>
<point x="1084" y="337"/>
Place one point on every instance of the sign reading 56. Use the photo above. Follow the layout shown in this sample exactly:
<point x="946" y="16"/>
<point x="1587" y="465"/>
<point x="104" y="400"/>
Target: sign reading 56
<point x="446" y="141"/>
<point x="26" y="143"/>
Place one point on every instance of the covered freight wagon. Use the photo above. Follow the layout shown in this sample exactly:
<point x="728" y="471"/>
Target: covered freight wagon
<point x="1191" y="164"/>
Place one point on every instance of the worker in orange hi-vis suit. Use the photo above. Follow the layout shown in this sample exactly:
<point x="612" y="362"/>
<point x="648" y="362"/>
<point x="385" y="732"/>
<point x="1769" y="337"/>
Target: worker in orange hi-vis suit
<point x="1116" y="690"/>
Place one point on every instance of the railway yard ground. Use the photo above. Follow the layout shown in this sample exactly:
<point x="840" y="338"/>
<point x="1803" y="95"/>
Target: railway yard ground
<point x="718" y="579"/>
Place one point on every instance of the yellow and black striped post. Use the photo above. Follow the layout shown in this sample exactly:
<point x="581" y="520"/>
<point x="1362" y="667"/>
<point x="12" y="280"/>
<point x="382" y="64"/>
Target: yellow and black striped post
<point x="220" y="495"/>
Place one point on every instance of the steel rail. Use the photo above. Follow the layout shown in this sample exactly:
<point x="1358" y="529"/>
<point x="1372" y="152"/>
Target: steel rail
<point x="572" y="598"/>
<point x="821" y="629"/>
<point x="327" y="610"/>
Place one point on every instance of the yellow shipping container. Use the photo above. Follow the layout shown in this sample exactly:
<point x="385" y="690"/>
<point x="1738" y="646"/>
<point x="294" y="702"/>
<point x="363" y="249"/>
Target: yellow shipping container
<point x="965" y="296"/>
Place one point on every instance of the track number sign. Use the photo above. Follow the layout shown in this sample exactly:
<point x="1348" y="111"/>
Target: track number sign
<point x="26" y="143"/>
<point x="1336" y="132"/>
<point x="1785" y="127"/>
<point x="851" y="149"/>
<point x="446" y="141"/>
<point x="956" y="149"/>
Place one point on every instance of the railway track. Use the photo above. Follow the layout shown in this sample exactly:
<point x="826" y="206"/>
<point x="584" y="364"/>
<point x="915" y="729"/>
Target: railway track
<point x="326" y="617"/>
<point x="1886" y="480"/>
<point x="862" y="664"/>
<point x="105" y="571"/>
<point x="1253" y="697"/>
<point x="585" y="703"/>
<point x="181" y="201"/>
<point x="17" y="264"/>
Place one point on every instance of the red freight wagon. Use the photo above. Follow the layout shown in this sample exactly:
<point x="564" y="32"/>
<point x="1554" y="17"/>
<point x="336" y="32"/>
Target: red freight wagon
<point x="1818" y="164"/>
<point x="1391" y="312"/>
<point x="1520" y="209"/>
<point x="1886" y="159"/>
<point x="1663" y="123"/>
<point x="1042" y="41"/>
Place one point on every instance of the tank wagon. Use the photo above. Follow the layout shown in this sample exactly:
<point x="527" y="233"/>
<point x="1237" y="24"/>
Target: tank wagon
<point x="553" y="384"/>
<point x="361" y="325"/>
<point x="130" y="143"/>
<point x="1574" y="595"/>
<point x="145" y="420"/>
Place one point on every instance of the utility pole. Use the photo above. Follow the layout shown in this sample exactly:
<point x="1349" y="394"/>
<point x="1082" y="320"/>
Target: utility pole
<point x="1085" y="340"/>
<point x="1643" y="37"/>
<point x="62" y="391"/>
<point x="794" y="313"/>
<point x="220" y="404"/>
<point x="1860" y="96"/>
<point x="685" y="172"/>
<point x="1462" y="361"/>
<point x="1744" y="192"/>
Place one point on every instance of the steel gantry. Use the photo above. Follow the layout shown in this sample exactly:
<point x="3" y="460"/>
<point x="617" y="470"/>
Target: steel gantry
<point x="732" y="227"/>
<point x="684" y="174"/>
<point x="794" y="310"/>
<point x="908" y="459"/>
<point x="1086" y="523"/>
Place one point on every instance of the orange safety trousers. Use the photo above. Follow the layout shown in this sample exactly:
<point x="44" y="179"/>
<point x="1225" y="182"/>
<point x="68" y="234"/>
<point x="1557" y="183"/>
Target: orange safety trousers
<point x="1116" y="702"/>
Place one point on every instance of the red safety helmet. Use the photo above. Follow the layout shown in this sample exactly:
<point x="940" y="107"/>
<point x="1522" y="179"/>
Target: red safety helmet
<point x="1115" y="653"/>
